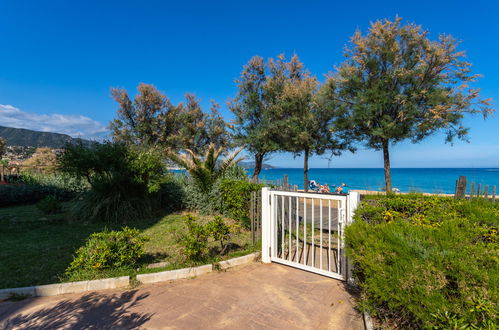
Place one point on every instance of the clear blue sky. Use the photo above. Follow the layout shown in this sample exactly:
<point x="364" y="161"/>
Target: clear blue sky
<point x="58" y="59"/>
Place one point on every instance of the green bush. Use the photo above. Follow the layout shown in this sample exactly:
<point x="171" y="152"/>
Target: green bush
<point x="124" y="180"/>
<point x="427" y="262"/>
<point x="120" y="249"/>
<point x="236" y="197"/>
<point x="30" y="188"/>
<point x="210" y="202"/>
<point x="195" y="239"/>
<point x="49" y="205"/>
<point x="220" y="231"/>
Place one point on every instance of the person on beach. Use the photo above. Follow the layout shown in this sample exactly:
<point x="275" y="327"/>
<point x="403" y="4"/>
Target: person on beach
<point x="313" y="185"/>
<point x="340" y="188"/>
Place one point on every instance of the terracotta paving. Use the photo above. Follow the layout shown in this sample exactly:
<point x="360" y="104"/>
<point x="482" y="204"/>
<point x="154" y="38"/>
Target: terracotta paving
<point x="254" y="296"/>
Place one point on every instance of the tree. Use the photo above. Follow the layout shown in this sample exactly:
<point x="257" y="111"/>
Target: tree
<point x="304" y="126"/>
<point x="147" y="120"/>
<point x="3" y="145"/>
<point x="152" y="120"/>
<point x="43" y="160"/>
<point x="197" y="129"/>
<point x="252" y="110"/>
<point x="396" y="84"/>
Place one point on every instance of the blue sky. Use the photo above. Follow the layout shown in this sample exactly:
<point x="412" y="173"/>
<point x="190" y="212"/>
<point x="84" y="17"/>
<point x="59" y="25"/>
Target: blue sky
<point x="58" y="59"/>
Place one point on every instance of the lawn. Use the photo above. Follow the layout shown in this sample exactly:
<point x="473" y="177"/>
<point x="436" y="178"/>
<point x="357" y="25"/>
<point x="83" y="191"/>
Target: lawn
<point x="36" y="249"/>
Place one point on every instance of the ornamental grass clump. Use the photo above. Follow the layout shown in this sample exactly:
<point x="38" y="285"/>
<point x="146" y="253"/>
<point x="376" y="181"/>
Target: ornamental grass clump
<point x="427" y="262"/>
<point x="125" y="181"/>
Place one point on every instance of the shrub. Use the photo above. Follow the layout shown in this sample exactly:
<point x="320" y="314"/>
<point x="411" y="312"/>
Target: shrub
<point x="210" y="202"/>
<point x="236" y="196"/>
<point x="171" y="194"/>
<point x="49" y="205"/>
<point x="29" y="188"/>
<point x="124" y="180"/>
<point x="220" y="231"/>
<point x="195" y="240"/>
<point x="427" y="262"/>
<point x="120" y="249"/>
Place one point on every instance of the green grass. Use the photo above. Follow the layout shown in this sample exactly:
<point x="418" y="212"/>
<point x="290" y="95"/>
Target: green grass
<point x="427" y="262"/>
<point x="36" y="249"/>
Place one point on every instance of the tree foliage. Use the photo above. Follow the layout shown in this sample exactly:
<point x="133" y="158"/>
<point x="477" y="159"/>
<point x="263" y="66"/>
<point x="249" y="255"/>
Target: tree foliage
<point x="3" y="145"/>
<point x="303" y="125"/>
<point x="252" y="108"/>
<point x="396" y="84"/>
<point x="151" y="119"/>
<point x="44" y="160"/>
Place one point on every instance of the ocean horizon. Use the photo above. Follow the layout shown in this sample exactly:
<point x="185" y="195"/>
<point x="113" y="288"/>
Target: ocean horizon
<point x="428" y="180"/>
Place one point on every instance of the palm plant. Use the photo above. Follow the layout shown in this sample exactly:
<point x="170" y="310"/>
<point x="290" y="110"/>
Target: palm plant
<point x="206" y="169"/>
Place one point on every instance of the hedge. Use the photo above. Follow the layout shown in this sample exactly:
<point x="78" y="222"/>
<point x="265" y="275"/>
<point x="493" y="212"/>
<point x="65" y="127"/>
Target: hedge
<point x="236" y="198"/>
<point x="427" y="262"/>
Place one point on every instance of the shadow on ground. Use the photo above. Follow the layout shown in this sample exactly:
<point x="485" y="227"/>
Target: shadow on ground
<point x="91" y="311"/>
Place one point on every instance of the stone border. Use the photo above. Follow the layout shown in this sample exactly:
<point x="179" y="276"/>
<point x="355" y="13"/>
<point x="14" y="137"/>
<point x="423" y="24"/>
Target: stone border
<point x="176" y="274"/>
<point x="368" y="322"/>
<point x="123" y="281"/>
<point x="70" y="287"/>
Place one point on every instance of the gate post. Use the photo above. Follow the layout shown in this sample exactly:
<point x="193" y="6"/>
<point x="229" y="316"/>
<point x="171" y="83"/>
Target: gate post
<point x="266" y="225"/>
<point x="353" y="200"/>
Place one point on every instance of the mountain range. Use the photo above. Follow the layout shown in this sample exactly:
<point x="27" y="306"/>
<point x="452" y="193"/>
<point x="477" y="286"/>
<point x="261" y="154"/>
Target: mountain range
<point x="22" y="137"/>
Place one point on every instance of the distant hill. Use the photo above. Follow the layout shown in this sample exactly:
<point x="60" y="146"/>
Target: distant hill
<point x="252" y="165"/>
<point x="27" y="138"/>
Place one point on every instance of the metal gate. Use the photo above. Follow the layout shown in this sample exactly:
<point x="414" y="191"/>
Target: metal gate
<point x="306" y="230"/>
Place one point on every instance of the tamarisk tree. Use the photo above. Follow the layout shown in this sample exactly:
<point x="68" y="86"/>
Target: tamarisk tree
<point x="396" y="84"/>
<point x="152" y="120"/>
<point x="252" y="108"/>
<point x="304" y="125"/>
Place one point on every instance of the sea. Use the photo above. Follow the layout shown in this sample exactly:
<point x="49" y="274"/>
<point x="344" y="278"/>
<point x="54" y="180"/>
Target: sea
<point x="429" y="180"/>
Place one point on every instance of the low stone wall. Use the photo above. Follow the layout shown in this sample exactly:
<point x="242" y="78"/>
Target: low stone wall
<point x="123" y="281"/>
<point x="70" y="287"/>
<point x="196" y="271"/>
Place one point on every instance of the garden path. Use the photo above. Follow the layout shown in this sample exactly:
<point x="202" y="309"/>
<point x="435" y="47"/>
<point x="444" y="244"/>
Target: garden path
<point x="254" y="296"/>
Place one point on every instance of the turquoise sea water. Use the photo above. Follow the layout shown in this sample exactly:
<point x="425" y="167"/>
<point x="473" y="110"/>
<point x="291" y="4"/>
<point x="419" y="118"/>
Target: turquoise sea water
<point x="431" y="180"/>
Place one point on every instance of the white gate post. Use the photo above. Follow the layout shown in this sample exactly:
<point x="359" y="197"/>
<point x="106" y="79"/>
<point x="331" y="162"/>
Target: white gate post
<point x="353" y="202"/>
<point x="266" y="225"/>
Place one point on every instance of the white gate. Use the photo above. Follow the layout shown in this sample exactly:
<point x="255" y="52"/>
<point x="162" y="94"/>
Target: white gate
<point x="306" y="230"/>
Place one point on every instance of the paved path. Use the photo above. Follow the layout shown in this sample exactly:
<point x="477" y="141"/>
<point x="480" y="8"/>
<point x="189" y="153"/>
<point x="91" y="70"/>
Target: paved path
<point x="255" y="296"/>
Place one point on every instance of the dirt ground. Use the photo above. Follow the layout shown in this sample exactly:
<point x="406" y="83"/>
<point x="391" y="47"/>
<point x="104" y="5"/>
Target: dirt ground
<point x="254" y="296"/>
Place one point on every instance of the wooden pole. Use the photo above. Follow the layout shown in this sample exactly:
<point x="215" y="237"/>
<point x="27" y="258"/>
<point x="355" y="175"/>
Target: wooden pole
<point x="472" y="189"/>
<point x="494" y="194"/>
<point x="478" y="190"/>
<point x="486" y="193"/>
<point x="461" y="187"/>
<point x="286" y="187"/>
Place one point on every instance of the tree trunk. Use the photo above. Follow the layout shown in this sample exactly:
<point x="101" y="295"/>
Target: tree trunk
<point x="305" y="170"/>
<point x="258" y="165"/>
<point x="386" y="165"/>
